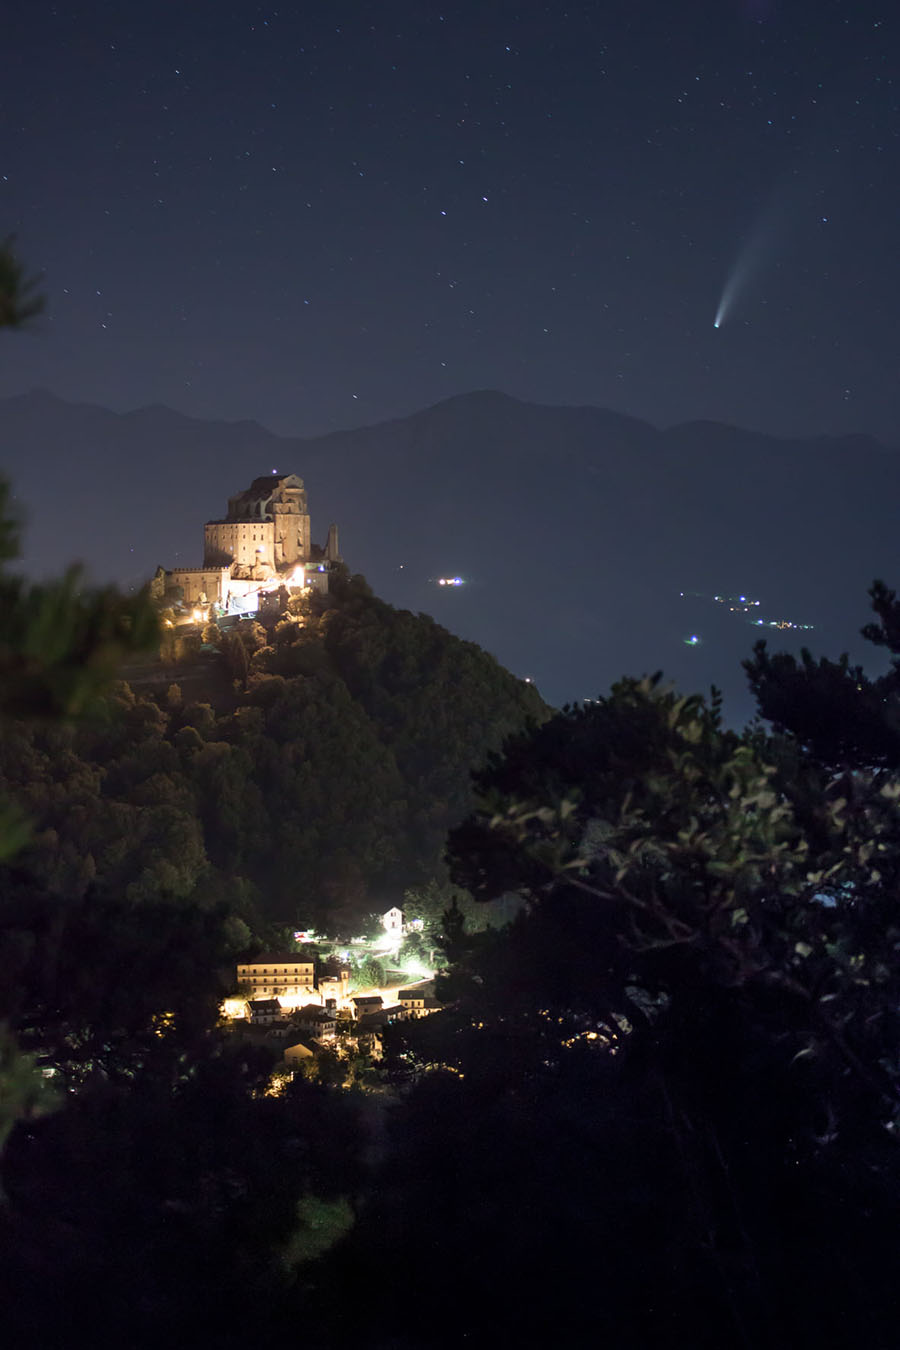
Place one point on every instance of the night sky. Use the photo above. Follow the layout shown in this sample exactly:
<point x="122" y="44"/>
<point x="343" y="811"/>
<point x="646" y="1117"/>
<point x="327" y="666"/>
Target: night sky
<point x="320" y="215"/>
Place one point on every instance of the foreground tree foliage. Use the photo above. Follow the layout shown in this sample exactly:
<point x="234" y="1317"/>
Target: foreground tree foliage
<point x="60" y="644"/>
<point x="832" y="709"/>
<point x="147" y="1173"/>
<point x="662" y="1107"/>
<point x="173" y="1214"/>
<point x="21" y="298"/>
<point x="147" y="1176"/>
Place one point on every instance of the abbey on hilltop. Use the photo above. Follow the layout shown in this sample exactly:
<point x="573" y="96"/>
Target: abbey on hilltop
<point x="261" y="545"/>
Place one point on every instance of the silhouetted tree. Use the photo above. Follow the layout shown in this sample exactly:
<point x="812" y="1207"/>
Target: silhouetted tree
<point x="688" y="1032"/>
<point x="832" y="709"/>
<point x="20" y="297"/>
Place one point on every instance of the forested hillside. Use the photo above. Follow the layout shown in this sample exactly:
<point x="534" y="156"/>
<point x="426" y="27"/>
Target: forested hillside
<point x="148" y="1167"/>
<point x="661" y="1107"/>
<point x="326" y="784"/>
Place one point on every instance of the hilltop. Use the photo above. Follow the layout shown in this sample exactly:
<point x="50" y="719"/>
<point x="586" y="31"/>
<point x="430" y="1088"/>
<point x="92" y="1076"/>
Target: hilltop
<point x="575" y="528"/>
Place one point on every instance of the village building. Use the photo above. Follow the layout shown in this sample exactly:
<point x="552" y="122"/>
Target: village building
<point x="316" y="1021"/>
<point x="371" y="1027"/>
<point x="279" y="1031"/>
<point x="334" y="987"/>
<point x="263" y="1012"/>
<point x="418" y="1002"/>
<point x="392" y="920"/>
<point x="274" y="974"/>
<point x="379" y="1018"/>
<point x="366" y="1003"/>
<point x="262" y="544"/>
<point x="300" y="1049"/>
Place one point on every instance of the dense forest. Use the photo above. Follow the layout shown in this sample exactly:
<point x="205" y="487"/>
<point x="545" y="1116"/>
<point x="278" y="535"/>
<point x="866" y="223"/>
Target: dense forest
<point x="146" y="842"/>
<point x="669" y="1092"/>
<point x="319" y="782"/>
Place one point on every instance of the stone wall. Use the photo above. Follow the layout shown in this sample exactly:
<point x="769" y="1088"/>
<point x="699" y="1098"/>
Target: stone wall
<point x="197" y="582"/>
<point x="245" y="542"/>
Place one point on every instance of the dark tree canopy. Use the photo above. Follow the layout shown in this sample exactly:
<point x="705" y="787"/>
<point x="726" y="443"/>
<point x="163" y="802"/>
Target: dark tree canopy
<point x="681" y="1055"/>
<point x="147" y="1175"/>
<point x="326" y="785"/>
<point x="21" y="299"/>
<point x="842" y="716"/>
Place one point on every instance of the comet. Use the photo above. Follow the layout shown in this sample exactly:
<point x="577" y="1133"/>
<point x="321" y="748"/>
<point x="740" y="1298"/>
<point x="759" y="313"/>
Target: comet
<point x="755" y="253"/>
<point x="745" y="267"/>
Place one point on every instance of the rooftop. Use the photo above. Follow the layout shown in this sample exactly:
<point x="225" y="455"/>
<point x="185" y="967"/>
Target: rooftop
<point x="313" y="1013"/>
<point x="277" y="959"/>
<point x="374" y="1021"/>
<point x="264" y="486"/>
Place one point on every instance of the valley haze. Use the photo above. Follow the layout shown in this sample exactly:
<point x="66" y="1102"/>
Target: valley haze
<point x="590" y="543"/>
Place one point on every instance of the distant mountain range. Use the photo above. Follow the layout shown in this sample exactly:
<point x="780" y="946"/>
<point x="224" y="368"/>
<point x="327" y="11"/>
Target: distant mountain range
<point x="575" y="529"/>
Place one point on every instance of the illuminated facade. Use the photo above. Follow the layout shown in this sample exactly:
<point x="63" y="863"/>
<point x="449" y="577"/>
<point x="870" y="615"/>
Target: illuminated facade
<point x="267" y="526"/>
<point x="317" y="1022"/>
<point x="263" y="1012"/>
<point x="262" y="543"/>
<point x="418" y="1002"/>
<point x="275" y="975"/>
<point x="335" y="986"/>
<point x="299" y="1051"/>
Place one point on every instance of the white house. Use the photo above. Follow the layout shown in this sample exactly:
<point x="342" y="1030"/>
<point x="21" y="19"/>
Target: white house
<point x="263" y="1011"/>
<point x="392" y="921"/>
<point x="316" y="1021"/>
<point x="418" y="1002"/>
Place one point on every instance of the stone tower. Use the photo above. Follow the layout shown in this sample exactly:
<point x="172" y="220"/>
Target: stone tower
<point x="266" y="526"/>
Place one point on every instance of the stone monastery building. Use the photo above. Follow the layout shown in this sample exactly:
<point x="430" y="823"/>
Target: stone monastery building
<point x="261" y="544"/>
